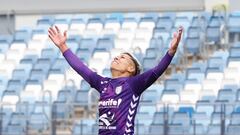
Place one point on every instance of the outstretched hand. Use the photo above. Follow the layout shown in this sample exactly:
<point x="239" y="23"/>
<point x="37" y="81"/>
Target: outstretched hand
<point x="175" y="41"/>
<point x="58" y="38"/>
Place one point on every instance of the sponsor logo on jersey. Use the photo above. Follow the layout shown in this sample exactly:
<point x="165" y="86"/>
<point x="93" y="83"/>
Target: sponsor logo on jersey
<point x="106" y="121"/>
<point x="110" y="103"/>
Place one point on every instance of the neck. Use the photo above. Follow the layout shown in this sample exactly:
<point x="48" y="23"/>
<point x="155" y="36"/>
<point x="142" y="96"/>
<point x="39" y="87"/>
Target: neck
<point x="117" y="74"/>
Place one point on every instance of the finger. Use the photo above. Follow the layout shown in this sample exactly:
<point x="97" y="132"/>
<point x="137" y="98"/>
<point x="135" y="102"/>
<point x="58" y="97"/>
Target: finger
<point x="65" y="33"/>
<point x="175" y="34"/>
<point x="50" y="37"/>
<point x="50" y="32"/>
<point x="180" y="30"/>
<point x="58" y="31"/>
<point x="53" y="31"/>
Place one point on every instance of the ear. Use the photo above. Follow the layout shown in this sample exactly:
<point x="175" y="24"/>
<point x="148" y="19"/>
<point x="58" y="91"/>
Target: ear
<point x="131" y="69"/>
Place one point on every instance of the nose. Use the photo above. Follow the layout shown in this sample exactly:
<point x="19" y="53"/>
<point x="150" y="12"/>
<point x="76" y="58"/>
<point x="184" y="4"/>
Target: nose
<point x="116" y="58"/>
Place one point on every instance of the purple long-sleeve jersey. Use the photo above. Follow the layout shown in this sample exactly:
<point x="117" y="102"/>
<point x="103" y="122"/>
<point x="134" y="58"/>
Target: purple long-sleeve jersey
<point x="119" y="97"/>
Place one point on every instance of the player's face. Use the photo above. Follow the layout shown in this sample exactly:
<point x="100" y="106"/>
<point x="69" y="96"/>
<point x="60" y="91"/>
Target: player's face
<point x="123" y="63"/>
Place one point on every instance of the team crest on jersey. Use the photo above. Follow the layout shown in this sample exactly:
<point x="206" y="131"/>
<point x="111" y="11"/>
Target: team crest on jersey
<point x="118" y="90"/>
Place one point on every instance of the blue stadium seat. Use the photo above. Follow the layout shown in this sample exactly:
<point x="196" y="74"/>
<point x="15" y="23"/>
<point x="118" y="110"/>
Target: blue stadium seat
<point x="233" y="26"/>
<point x="15" y="129"/>
<point x="147" y="108"/>
<point x="193" y="45"/>
<point x="204" y="106"/>
<point x="84" y="54"/>
<point x="157" y="43"/>
<point x="38" y="122"/>
<point x="84" y="86"/>
<point x="165" y="22"/>
<point x="201" y="118"/>
<point x="20" y="74"/>
<point x="6" y="38"/>
<point x="188" y="110"/>
<point x="38" y="75"/>
<point x="50" y="54"/>
<point x="201" y="65"/>
<point x="213" y="34"/>
<point x="216" y="118"/>
<point x="216" y="21"/>
<point x="234" y="52"/>
<point x="151" y="53"/>
<point x="199" y="22"/>
<point x="60" y="64"/>
<point x="4" y="46"/>
<point x="158" y="117"/>
<point x="161" y="33"/>
<point x="180" y="77"/>
<point x="80" y="129"/>
<point x="5" y="119"/>
<point x="29" y="59"/>
<point x="233" y="129"/>
<point x="151" y="95"/>
<point x="197" y="129"/>
<point x="227" y="95"/>
<point x="176" y="61"/>
<point x="176" y="129"/>
<point x="88" y="43"/>
<point x="214" y="129"/>
<point x="60" y="110"/>
<point x="173" y="84"/>
<point x="19" y="119"/>
<point x="105" y="43"/>
<point x="40" y="30"/>
<point x="181" y="118"/>
<point x="81" y="98"/>
<point x="23" y="34"/>
<point x="149" y="63"/>
<point x="43" y="64"/>
<point x="216" y="62"/>
<point x="65" y="95"/>
<point x="3" y="83"/>
<point x="15" y="85"/>
<point x="73" y="45"/>
<point x="198" y="76"/>
<point x="140" y="129"/>
<point x="235" y="118"/>
<point x="45" y="20"/>
<point x="194" y="32"/>
<point x="156" y="129"/>
<point x="172" y="15"/>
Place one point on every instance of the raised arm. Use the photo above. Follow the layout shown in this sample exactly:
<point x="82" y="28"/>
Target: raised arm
<point x="60" y="41"/>
<point x="141" y="82"/>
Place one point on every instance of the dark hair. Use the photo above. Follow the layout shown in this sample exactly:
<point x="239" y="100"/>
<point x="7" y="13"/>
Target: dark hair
<point x="136" y="64"/>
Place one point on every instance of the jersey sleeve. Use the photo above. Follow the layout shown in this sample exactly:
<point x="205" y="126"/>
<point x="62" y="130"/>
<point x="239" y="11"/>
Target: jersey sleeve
<point x="141" y="82"/>
<point x="91" y="77"/>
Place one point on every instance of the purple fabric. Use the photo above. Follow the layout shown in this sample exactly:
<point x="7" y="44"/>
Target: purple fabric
<point x="119" y="97"/>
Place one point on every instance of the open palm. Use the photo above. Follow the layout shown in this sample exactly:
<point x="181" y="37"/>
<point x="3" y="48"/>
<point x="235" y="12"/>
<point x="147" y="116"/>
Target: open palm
<point x="57" y="37"/>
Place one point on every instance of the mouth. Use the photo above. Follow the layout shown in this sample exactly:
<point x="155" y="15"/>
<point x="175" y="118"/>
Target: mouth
<point x="115" y="61"/>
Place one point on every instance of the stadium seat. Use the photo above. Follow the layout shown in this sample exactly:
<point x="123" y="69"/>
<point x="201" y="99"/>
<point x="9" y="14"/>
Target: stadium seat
<point x="156" y="129"/>
<point x="193" y="45"/>
<point x="232" y="129"/>
<point x="166" y="22"/>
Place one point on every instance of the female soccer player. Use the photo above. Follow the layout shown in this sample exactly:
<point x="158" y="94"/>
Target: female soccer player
<point x="119" y="95"/>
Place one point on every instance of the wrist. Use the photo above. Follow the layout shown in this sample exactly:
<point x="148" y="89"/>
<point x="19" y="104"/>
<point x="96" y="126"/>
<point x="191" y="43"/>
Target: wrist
<point x="172" y="51"/>
<point x="63" y="48"/>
